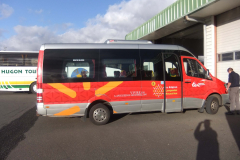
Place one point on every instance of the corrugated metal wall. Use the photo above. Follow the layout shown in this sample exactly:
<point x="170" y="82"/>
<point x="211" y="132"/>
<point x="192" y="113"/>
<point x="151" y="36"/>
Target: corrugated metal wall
<point x="172" y="13"/>
<point x="228" y="41"/>
<point x="228" y="31"/>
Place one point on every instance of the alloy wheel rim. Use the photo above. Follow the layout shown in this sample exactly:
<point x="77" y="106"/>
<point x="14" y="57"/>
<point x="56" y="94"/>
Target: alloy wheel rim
<point x="213" y="105"/>
<point x="100" y="115"/>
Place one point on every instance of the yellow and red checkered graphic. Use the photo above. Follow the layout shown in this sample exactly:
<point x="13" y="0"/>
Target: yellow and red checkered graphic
<point x="158" y="90"/>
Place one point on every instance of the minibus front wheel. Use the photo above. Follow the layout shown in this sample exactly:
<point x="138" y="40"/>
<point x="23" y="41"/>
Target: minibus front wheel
<point x="99" y="114"/>
<point x="212" y="105"/>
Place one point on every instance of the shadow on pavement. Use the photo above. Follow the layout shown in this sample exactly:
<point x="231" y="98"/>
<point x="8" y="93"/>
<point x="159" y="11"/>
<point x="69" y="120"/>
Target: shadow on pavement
<point x="234" y="125"/>
<point x="13" y="133"/>
<point x="116" y="117"/>
<point x="208" y="147"/>
<point x="227" y="107"/>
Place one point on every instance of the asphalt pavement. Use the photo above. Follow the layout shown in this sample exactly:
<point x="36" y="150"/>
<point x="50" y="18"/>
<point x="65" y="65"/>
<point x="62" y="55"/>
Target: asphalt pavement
<point x="189" y="135"/>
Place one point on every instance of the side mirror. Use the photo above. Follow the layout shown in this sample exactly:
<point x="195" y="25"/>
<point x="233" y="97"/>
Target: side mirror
<point x="208" y="72"/>
<point x="208" y="75"/>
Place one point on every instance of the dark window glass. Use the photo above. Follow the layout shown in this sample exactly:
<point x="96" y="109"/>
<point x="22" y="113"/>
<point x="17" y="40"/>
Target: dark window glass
<point x="70" y="65"/>
<point x="119" y="65"/>
<point x="227" y="56"/>
<point x="11" y="60"/>
<point x="184" y="53"/>
<point x="119" y="68"/>
<point x="190" y="67"/>
<point x="202" y="73"/>
<point x="78" y="68"/>
<point x="31" y="59"/>
<point x="172" y="67"/>
<point x="152" y="65"/>
<point x="194" y="69"/>
<point x="237" y="55"/>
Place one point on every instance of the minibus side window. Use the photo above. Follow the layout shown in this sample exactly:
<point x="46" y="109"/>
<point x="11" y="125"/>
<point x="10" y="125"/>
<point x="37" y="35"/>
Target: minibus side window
<point x="119" y="68"/>
<point x="119" y="65"/>
<point x="190" y="67"/>
<point x="202" y="73"/>
<point x="70" y="65"/>
<point x="172" y="70"/>
<point x="194" y="69"/>
<point x="74" y="68"/>
<point x="152" y="65"/>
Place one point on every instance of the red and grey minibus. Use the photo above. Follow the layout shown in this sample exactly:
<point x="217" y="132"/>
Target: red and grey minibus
<point x="98" y="80"/>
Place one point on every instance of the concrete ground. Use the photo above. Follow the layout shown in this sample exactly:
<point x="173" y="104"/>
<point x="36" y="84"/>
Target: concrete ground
<point x="188" y="135"/>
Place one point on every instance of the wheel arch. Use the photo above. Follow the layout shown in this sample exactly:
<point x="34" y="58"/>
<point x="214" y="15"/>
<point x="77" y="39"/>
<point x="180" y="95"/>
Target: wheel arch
<point x="217" y="95"/>
<point x="106" y="103"/>
<point x="33" y="82"/>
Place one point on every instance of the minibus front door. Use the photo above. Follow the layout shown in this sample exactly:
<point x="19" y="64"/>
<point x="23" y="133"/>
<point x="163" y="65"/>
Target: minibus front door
<point x="194" y="83"/>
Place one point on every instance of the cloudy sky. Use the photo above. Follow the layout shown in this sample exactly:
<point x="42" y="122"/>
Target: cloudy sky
<point x="26" y="24"/>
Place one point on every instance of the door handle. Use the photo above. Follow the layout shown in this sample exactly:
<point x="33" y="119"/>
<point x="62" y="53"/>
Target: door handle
<point x="187" y="82"/>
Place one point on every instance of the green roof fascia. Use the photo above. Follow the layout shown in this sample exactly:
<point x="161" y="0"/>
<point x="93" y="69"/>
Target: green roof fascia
<point x="175" y="11"/>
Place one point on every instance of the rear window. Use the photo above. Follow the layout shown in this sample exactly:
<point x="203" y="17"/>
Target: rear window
<point x="61" y="66"/>
<point x="78" y="68"/>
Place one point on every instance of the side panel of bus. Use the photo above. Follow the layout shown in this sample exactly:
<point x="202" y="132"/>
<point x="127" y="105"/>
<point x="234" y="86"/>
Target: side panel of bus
<point x="17" y="71"/>
<point x="131" y="80"/>
<point x="126" y="95"/>
<point x="197" y="85"/>
<point x="16" y="78"/>
<point x="112" y="78"/>
<point x="161" y="81"/>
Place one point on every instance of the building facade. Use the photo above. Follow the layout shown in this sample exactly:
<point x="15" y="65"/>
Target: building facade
<point x="210" y="29"/>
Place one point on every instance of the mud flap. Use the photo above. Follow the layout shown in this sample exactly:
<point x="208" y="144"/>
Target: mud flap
<point x="84" y="118"/>
<point x="201" y="110"/>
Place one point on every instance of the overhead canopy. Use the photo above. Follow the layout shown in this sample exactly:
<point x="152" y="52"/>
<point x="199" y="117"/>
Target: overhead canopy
<point x="172" y="20"/>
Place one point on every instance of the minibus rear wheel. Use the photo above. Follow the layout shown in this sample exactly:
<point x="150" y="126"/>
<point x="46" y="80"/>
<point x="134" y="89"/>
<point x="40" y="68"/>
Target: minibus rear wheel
<point x="212" y="105"/>
<point x="99" y="114"/>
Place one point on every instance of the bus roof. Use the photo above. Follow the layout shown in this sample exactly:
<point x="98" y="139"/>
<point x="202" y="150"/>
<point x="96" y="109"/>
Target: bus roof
<point x="18" y="52"/>
<point x="111" y="41"/>
<point x="110" y="46"/>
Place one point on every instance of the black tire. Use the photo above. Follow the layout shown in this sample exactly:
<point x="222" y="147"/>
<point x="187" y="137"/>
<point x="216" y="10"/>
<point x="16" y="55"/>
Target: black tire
<point x="212" y="105"/>
<point x="33" y="88"/>
<point x="99" y="114"/>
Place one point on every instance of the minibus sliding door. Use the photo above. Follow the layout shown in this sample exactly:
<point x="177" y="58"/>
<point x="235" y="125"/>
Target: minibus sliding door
<point x="173" y="84"/>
